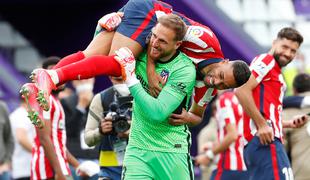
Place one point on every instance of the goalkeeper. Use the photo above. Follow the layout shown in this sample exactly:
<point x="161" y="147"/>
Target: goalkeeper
<point x="156" y="149"/>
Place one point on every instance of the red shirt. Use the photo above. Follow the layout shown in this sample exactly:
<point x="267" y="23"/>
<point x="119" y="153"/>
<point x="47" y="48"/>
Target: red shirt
<point x="268" y="94"/>
<point x="40" y="165"/>
<point x="229" y="111"/>
<point x="201" y="45"/>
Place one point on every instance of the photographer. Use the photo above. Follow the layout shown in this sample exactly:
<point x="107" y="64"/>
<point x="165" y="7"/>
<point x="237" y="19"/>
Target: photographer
<point x="108" y="123"/>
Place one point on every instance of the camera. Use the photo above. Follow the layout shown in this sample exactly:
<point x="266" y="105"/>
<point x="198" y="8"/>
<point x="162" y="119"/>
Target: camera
<point x="121" y="114"/>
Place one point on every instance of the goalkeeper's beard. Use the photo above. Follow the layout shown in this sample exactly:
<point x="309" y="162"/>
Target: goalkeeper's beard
<point x="159" y="54"/>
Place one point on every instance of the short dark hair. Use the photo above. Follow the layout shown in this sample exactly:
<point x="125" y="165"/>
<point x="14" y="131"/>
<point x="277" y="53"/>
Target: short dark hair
<point x="301" y="83"/>
<point x="241" y="72"/>
<point x="290" y="34"/>
<point x="52" y="60"/>
<point x="175" y="23"/>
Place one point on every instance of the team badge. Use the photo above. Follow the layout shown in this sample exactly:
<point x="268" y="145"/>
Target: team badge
<point x="164" y="74"/>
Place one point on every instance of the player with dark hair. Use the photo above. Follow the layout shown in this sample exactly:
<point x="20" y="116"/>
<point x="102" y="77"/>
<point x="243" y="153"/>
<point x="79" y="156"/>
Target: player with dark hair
<point x="261" y="98"/>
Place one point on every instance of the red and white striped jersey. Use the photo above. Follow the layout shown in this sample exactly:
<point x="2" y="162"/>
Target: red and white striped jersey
<point x="268" y="95"/>
<point x="229" y="111"/>
<point x="40" y="166"/>
<point x="201" y="45"/>
<point x="203" y="95"/>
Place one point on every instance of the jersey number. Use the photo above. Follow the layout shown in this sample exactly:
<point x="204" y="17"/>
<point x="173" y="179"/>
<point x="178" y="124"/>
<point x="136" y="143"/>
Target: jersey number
<point x="288" y="173"/>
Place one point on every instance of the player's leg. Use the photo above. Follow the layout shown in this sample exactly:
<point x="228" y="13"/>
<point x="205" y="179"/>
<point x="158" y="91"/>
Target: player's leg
<point x="139" y="18"/>
<point x="75" y="65"/>
<point x="229" y="174"/>
<point x="266" y="162"/>
<point x="29" y="92"/>
<point x="132" y="32"/>
<point x="136" y="165"/>
<point x="100" y="45"/>
<point x="174" y="166"/>
<point x="281" y="161"/>
<point x="98" y="64"/>
<point x="120" y="40"/>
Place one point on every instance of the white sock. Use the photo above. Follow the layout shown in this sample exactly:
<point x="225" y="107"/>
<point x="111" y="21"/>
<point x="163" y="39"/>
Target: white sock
<point x="54" y="76"/>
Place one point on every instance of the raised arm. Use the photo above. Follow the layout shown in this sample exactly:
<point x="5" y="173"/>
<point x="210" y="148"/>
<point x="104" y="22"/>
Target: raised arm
<point x="171" y="95"/>
<point x="169" y="98"/>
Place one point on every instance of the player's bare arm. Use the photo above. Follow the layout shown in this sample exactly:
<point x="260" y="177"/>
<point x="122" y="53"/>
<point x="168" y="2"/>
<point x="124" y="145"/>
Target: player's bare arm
<point x="49" y="149"/>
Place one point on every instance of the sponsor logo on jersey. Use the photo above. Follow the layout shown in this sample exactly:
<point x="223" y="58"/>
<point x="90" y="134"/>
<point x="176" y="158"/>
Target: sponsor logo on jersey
<point x="143" y="83"/>
<point x="180" y="87"/>
<point x="178" y="146"/>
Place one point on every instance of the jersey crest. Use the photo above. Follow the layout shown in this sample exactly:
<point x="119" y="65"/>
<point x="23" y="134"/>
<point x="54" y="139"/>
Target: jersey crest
<point x="164" y="74"/>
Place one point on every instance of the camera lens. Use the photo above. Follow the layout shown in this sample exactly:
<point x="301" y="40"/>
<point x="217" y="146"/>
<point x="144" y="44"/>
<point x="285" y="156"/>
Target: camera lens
<point x="121" y="126"/>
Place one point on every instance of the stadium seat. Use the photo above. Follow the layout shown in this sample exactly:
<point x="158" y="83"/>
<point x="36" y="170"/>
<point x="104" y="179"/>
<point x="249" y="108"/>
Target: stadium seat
<point x="255" y="10"/>
<point x="6" y="34"/>
<point x="232" y="8"/>
<point x="304" y="28"/>
<point x="281" y="10"/>
<point x="26" y="58"/>
<point x="259" y="31"/>
<point x="276" y="26"/>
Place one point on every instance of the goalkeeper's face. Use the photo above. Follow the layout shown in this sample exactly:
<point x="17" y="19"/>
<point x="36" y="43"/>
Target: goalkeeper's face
<point x="162" y="43"/>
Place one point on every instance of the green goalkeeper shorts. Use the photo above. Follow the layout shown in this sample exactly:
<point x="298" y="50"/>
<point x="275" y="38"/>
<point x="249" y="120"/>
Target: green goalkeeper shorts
<point x="141" y="164"/>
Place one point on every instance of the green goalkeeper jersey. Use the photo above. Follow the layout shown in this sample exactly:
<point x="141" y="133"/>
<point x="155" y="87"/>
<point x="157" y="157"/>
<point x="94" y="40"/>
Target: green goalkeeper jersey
<point x="150" y="129"/>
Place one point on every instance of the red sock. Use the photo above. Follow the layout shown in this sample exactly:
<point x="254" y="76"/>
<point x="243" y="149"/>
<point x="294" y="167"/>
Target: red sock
<point x="89" y="67"/>
<point x="70" y="59"/>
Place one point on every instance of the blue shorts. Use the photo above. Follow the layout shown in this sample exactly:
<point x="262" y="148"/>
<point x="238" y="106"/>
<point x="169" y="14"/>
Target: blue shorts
<point x="114" y="173"/>
<point x="229" y="174"/>
<point x="267" y="161"/>
<point x="139" y="19"/>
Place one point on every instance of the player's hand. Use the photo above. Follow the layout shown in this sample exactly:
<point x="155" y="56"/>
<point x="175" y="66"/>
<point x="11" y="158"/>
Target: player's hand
<point x="60" y="176"/>
<point x="265" y="134"/>
<point x="126" y="59"/>
<point x="202" y="159"/>
<point x="111" y="21"/>
<point x="154" y="81"/>
<point x="87" y="169"/>
<point x="4" y="167"/>
<point x="299" y="121"/>
<point x="179" y="119"/>
<point x="208" y="145"/>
